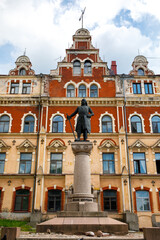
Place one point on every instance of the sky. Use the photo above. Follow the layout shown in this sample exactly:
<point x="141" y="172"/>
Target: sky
<point x="121" y="29"/>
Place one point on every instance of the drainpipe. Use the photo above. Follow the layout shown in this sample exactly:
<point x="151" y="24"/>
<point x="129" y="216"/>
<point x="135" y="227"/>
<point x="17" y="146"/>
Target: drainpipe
<point x="37" y="146"/>
<point x="125" y="77"/>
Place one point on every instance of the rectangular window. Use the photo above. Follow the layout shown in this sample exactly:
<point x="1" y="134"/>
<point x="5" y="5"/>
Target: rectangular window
<point x="25" y="163"/>
<point x="2" y="162"/>
<point x="26" y="88"/>
<point x="56" y="163"/>
<point x="137" y="88"/>
<point x="139" y="163"/>
<point x="14" y="88"/>
<point x="148" y="88"/>
<point x="142" y="200"/>
<point x="157" y="158"/>
<point x="108" y="163"/>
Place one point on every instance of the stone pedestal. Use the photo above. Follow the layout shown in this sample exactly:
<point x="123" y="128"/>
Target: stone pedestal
<point x="82" y="199"/>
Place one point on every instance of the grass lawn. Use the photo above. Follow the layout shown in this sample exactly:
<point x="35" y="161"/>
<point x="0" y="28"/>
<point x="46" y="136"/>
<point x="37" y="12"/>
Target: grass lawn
<point x="13" y="223"/>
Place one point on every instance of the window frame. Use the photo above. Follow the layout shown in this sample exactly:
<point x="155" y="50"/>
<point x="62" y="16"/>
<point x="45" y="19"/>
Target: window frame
<point x="92" y="91"/>
<point x="110" y="163"/>
<point x="137" y="122"/>
<point x="70" y="92"/>
<point x="110" y="198"/>
<point x="82" y="91"/>
<point x="3" y="123"/>
<point x="137" y="89"/>
<point x="55" y="200"/>
<point x="106" y="123"/>
<point x="31" y="124"/>
<point x="87" y="67"/>
<point x="14" y="89"/>
<point x="157" y="160"/>
<point x="142" y="198"/>
<point x="25" y="162"/>
<point x="2" y="161"/>
<point x="157" y="123"/>
<point x="57" y="124"/>
<point x="76" y="68"/>
<point x="55" y="161"/>
<point x="137" y="162"/>
<point x="26" y="87"/>
<point x="22" y="199"/>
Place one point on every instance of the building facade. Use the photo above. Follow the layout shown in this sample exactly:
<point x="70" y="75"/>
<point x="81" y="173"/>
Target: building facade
<point x="36" y="160"/>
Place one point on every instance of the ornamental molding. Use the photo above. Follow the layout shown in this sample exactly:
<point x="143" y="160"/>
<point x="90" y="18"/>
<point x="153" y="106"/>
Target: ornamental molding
<point x="3" y="145"/>
<point x="150" y="120"/>
<point x="56" y="144"/>
<point x="156" y="145"/>
<point x="138" y="144"/>
<point x="107" y="144"/>
<point x="113" y="121"/>
<point x="27" y="145"/>
<point x="23" y="118"/>
<point x="142" y="120"/>
<point x="10" y="119"/>
<point x="64" y="121"/>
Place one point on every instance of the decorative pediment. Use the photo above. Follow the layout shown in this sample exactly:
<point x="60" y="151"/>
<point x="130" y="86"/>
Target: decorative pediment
<point x="107" y="144"/>
<point x="26" y="145"/>
<point x="156" y="145"/>
<point x="3" y="145"/>
<point x="56" y="144"/>
<point x="138" y="144"/>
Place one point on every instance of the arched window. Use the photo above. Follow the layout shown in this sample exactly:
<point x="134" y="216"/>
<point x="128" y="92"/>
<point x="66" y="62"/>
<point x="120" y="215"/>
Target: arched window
<point x="156" y="124"/>
<point x="22" y="200"/>
<point x="57" y="124"/>
<point x="106" y="124"/>
<point x="87" y="67"/>
<point x="70" y="91"/>
<point x="54" y="200"/>
<point x="82" y="91"/>
<point x="140" y="72"/>
<point x="136" y="124"/>
<point x="110" y="200"/>
<point x="142" y="201"/>
<point x="4" y="124"/>
<point x="22" y="72"/>
<point x="76" y="67"/>
<point x="93" y="91"/>
<point x="29" y="124"/>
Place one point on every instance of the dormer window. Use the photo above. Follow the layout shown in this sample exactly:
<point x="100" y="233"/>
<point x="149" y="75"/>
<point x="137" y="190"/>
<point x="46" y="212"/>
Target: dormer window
<point x="140" y="72"/>
<point x="87" y="67"/>
<point x="22" y="72"/>
<point x="76" y="68"/>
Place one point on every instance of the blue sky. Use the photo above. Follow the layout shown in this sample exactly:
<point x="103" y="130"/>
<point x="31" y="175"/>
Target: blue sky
<point x="119" y="28"/>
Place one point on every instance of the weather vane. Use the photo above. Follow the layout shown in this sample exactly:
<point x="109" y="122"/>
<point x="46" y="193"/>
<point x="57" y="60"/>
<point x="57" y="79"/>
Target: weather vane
<point x="81" y="17"/>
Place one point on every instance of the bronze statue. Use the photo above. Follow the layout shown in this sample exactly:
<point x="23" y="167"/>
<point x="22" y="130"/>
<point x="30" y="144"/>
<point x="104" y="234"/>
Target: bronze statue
<point x="83" y="121"/>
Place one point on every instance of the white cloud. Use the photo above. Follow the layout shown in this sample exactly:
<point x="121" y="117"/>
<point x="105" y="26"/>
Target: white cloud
<point x="45" y="27"/>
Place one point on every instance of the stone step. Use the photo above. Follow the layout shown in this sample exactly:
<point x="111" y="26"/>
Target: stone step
<point x="50" y="237"/>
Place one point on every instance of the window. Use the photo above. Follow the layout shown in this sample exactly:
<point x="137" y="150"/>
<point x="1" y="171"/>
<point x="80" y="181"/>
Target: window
<point x="70" y="91"/>
<point x="139" y="163"/>
<point x="57" y="125"/>
<point x="2" y="162"/>
<point x="29" y="124"/>
<point x="22" y="200"/>
<point x="14" y="88"/>
<point x="148" y="88"/>
<point x="93" y="91"/>
<point x="87" y="67"/>
<point x="106" y="124"/>
<point x="142" y="200"/>
<point x="22" y="72"/>
<point x="157" y="158"/>
<point x="76" y="68"/>
<point x="82" y="91"/>
<point x="25" y="163"/>
<point x="110" y="200"/>
<point x="26" y="88"/>
<point x="140" y="72"/>
<point x="4" y="124"/>
<point x="156" y="124"/>
<point x="136" y="124"/>
<point x="108" y="163"/>
<point x="137" y="88"/>
<point x="56" y="163"/>
<point x="54" y="200"/>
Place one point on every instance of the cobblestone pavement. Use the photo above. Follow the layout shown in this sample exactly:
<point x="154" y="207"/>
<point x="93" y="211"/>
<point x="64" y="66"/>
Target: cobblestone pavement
<point x="54" y="236"/>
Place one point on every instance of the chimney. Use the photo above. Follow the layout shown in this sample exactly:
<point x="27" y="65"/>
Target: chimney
<point x="114" y="67"/>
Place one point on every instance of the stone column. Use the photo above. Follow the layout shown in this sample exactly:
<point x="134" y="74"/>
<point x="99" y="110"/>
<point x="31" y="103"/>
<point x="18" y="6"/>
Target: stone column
<point x="82" y="199"/>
